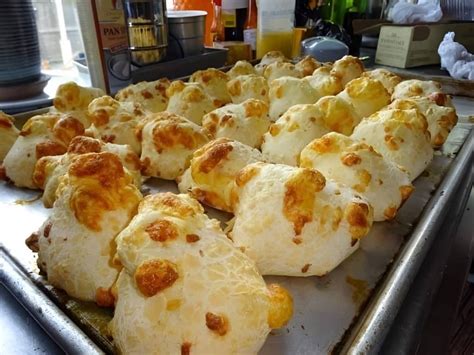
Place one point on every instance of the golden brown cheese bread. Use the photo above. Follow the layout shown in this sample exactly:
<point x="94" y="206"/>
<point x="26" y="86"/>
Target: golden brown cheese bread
<point x="307" y="65"/>
<point x="50" y="169"/>
<point x="441" y="119"/>
<point x="151" y="95"/>
<point x="189" y="100"/>
<point x="242" y="67"/>
<point x="168" y="143"/>
<point x="245" y="122"/>
<point x="293" y="222"/>
<point x="292" y="132"/>
<point x="246" y="87"/>
<point x="288" y="91"/>
<point x="214" y="83"/>
<point x="8" y="134"/>
<point x="414" y="87"/>
<point x="96" y="200"/>
<point x="210" y="177"/>
<point x="338" y="114"/>
<point x="279" y="69"/>
<point x="116" y="122"/>
<point x="42" y="135"/>
<point x="400" y="136"/>
<point x="388" y="79"/>
<point x="324" y="82"/>
<point x="269" y="58"/>
<point x="347" y="68"/>
<point x="184" y="279"/>
<point x="357" y="165"/>
<point x="366" y="95"/>
<point x="74" y="99"/>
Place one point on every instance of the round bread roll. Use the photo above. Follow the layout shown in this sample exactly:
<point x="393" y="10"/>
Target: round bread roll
<point x="292" y="222"/>
<point x="72" y="97"/>
<point x="288" y="91"/>
<point x="49" y="170"/>
<point x="168" y="143"/>
<point x="183" y="277"/>
<point x="307" y="65"/>
<point x="245" y="122"/>
<point x="324" y="82"/>
<point x="347" y="68"/>
<point x="387" y="78"/>
<point x="414" y="87"/>
<point x="189" y="100"/>
<point x="116" y="122"/>
<point x="246" y="87"/>
<point x="381" y="182"/>
<point x="151" y="95"/>
<point x="210" y="177"/>
<point x="42" y="135"/>
<point x="441" y="119"/>
<point x="279" y="69"/>
<point x="366" y="96"/>
<point x="8" y="134"/>
<point x="338" y="114"/>
<point x="269" y="58"/>
<point x="292" y="132"/>
<point x="214" y="83"/>
<point x="96" y="200"/>
<point x="242" y="67"/>
<point x="400" y="136"/>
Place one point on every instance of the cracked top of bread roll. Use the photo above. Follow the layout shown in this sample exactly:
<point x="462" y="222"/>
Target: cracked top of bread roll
<point x="357" y="165"/>
<point x="210" y="177"/>
<point x="189" y="100"/>
<point x="242" y="67"/>
<point x="339" y="115"/>
<point x="116" y="122"/>
<point x="71" y="97"/>
<point x="279" y="69"/>
<point x="293" y="222"/>
<point x="441" y="119"/>
<point x="388" y="79"/>
<point x="245" y="122"/>
<point x="96" y="200"/>
<point x="324" y="82"/>
<point x="307" y="65"/>
<point x="8" y="134"/>
<point x="214" y="83"/>
<point x="366" y="96"/>
<point x="414" y="87"/>
<point x="246" y="87"/>
<point x="168" y="143"/>
<point x="49" y="170"/>
<point x="347" y="68"/>
<point x="184" y="278"/>
<point x="151" y="95"/>
<point x="42" y="135"/>
<point x="288" y="91"/>
<point x="292" y="132"/>
<point x="400" y="136"/>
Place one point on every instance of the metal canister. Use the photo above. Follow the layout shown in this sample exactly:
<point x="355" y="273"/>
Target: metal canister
<point x="147" y="29"/>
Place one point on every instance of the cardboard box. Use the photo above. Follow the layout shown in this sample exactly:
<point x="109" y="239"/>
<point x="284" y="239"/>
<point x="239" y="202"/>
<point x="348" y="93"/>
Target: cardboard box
<point x="415" y="45"/>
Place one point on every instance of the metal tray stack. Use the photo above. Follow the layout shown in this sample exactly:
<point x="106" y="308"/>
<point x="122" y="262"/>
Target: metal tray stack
<point x="350" y="310"/>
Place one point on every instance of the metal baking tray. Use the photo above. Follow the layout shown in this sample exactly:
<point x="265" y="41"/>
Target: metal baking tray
<point x="348" y="311"/>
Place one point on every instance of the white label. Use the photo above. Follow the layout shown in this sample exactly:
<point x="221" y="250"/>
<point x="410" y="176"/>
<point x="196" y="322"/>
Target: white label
<point x="250" y="37"/>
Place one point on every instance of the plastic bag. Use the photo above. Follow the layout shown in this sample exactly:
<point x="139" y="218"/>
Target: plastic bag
<point x="455" y="58"/>
<point x="404" y="12"/>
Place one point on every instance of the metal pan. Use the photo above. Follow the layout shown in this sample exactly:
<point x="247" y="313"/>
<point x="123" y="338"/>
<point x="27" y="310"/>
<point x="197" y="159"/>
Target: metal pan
<point x="325" y="307"/>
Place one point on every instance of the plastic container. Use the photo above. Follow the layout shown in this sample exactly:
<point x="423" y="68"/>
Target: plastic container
<point x="275" y="26"/>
